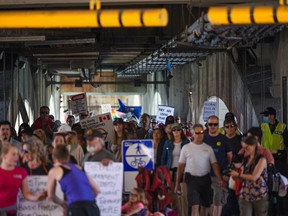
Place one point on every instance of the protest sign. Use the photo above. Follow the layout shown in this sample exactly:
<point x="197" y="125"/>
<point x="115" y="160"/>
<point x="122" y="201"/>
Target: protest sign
<point x="163" y="112"/>
<point x="36" y="185"/>
<point x="209" y="109"/>
<point x="78" y="103"/>
<point x="106" y="108"/>
<point x="103" y="123"/>
<point x="110" y="181"/>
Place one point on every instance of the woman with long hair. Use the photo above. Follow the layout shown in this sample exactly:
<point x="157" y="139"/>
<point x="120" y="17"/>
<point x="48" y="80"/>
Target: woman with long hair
<point x="36" y="160"/>
<point x="254" y="191"/>
<point x="12" y="179"/>
<point x="119" y="136"/>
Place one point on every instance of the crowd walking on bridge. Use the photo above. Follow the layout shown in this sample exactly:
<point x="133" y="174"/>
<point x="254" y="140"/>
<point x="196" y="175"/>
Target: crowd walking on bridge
<point x="208" y="171"/>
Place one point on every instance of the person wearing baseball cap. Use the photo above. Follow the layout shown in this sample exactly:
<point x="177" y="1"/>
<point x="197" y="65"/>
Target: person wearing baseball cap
<point x="95" y="148"/>
<point x="275" y="138"/>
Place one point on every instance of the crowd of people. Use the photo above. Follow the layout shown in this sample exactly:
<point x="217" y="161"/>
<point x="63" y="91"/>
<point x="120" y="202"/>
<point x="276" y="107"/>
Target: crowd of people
<point x="215" y="170"/>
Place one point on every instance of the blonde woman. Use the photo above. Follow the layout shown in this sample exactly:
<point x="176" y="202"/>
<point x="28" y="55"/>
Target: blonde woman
<point x="12" y="179"/>
<point x="36" y="161"/>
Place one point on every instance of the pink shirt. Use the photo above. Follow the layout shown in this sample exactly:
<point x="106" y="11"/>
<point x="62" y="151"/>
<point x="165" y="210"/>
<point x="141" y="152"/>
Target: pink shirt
<point x="10" y="182"/>
<point x="263" y="151"/>
<point x="127" y="208"/>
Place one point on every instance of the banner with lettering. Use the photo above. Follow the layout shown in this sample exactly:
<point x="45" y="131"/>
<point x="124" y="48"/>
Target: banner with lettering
<point x="163" y="112"/>
<point x="110" y="181"/>
<point x="106" y="108"/>
<point x="36" y="185"/>
<point x="78" y="103"/>
<point x="103" y="123"/>
<point x="209" y="109"/>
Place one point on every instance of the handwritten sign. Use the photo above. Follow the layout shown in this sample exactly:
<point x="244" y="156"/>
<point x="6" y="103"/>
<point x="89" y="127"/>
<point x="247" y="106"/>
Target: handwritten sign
<point x="78" y="103"/>
<point x="209" y="109"/>
<point x="106" y="108"/>
<point x="103" y="123"/>
<point x="38" y="184"/>
<point x="110" y="181"/>
<point x="163" y="112"/>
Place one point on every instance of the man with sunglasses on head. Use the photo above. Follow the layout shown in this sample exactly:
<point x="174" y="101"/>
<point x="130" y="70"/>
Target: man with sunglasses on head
<point x="223" y="152"/>
<point x="196" y="159"/>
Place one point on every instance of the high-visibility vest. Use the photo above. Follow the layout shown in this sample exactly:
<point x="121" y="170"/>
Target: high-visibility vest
<point x="275" y="141"/>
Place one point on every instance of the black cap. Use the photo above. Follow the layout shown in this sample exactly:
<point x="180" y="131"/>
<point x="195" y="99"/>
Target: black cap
<point x="169" y="120"/>
<point x="27" y="131"/>
<point x="90" y="134"/>
<point x="229" y="115"/>
<point x="118" y="121"/>
<point x="269" y="110"/>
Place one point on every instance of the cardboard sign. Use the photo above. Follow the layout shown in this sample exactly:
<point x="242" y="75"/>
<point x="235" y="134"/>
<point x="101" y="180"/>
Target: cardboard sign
<point x="163" y="112"/>
<point x="36" y="185"/>
<point x="103" y="123"/>
<point x="209" y="109"/>
<point x="136" y="153"/>
<point x="78" y="103"/>
<point x="110" y="181"/>
<point x="106" y="108"/>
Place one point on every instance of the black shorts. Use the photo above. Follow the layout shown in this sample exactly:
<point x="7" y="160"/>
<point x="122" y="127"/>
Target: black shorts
<point x="199" y="191"/>
<point x="83" y="208"/>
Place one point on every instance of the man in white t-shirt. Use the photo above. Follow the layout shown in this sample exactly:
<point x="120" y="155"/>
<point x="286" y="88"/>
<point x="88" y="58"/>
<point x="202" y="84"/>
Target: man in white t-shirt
<point x="196" y="159"/>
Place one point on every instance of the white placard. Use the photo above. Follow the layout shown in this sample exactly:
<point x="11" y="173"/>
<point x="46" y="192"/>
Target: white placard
<point x="110" y="181"/>
<point x="78" y="103"/>
<point x="163" y="112"/>
<point x="36" y="185"/>
<point x="103" y="123"/>
<point x="209" y="109"/>
<point x="106" y="108"/>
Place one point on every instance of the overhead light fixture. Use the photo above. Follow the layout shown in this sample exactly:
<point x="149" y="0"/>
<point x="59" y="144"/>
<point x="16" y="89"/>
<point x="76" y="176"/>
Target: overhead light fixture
<point x="22" y="38"/>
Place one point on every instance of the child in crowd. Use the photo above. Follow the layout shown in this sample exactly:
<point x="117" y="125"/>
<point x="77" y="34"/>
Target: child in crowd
<point x="137" y="204"/>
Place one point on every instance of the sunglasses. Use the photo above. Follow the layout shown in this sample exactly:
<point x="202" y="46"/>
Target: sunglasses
<point x="199" y="132"/>
<point x="229" y="126"/>
<point x="44" y="112"/>
<point x="176" y="130"/>
<point x="213" y="124"/>
<point x="25" y="150"/>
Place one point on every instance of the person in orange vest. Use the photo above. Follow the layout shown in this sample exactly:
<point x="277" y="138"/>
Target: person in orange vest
<point x="275" y="138"/>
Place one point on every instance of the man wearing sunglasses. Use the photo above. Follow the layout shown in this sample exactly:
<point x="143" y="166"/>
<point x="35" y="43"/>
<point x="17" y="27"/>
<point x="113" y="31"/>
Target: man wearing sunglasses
<point x="223" y="152"/>
<point x="196" y="159"/>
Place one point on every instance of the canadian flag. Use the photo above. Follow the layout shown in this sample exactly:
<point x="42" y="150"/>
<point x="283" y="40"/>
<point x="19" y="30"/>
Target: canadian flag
<point x="105" y="117"/>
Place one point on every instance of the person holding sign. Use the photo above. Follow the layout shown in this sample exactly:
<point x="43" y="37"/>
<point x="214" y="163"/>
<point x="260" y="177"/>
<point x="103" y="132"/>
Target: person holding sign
<point x="79" y="189"/>
<point x="12" y="179"/>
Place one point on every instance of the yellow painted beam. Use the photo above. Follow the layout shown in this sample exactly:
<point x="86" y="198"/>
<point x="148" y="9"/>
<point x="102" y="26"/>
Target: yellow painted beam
<point x="248" y="15"/>
<point x="84" y="18"/>
<point x="283" y="2"/>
